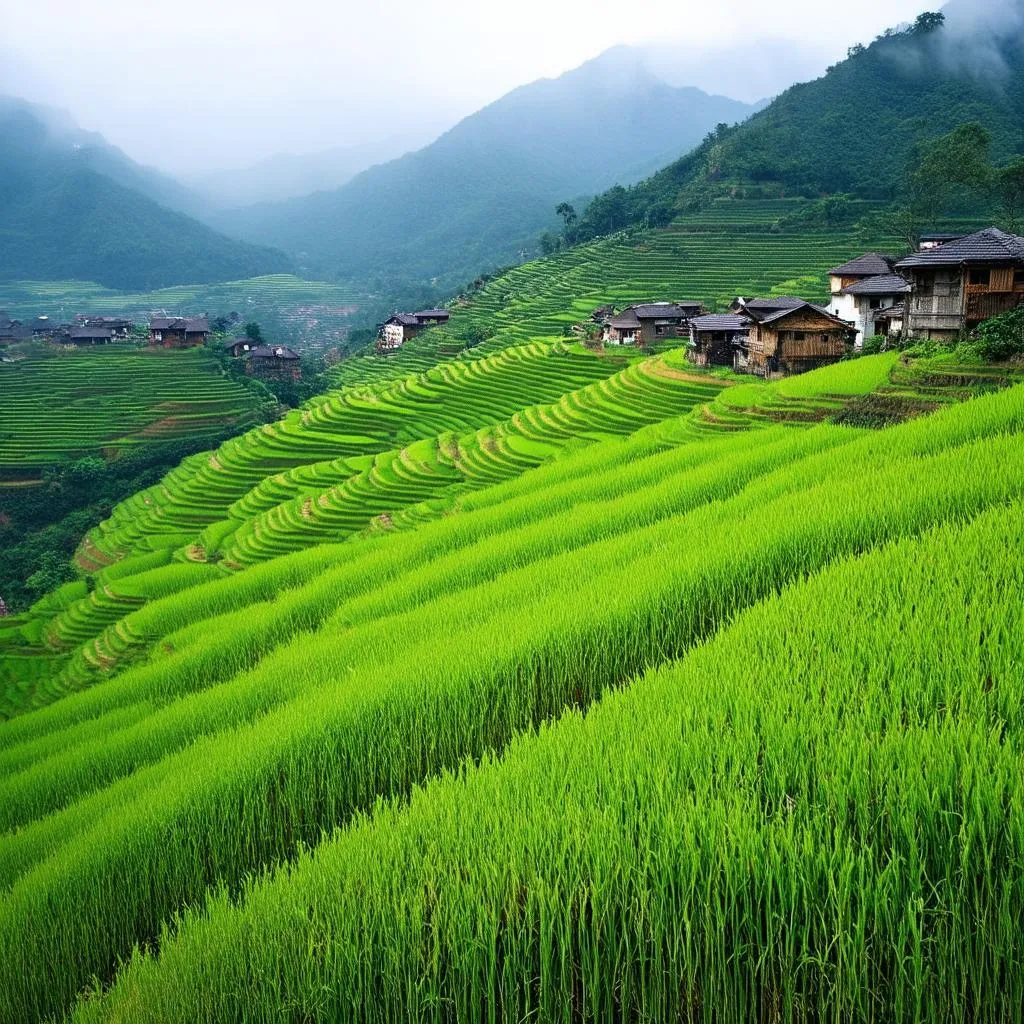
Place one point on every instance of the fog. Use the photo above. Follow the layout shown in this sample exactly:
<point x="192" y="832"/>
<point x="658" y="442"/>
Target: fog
<point x="202" y="85"/>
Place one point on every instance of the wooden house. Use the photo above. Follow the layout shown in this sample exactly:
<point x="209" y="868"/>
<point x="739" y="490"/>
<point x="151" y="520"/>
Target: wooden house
<point x="179" y="331"/>
<point x="240" y="347"/>
<point x="791" y="339"/>
<point x="396" y="331"/>
<point x="714" y="338"/>
<point x="402" y="327"/>
<point x="957" y="285"/>
<point x="13" y="330"/>
<point x="274" y="361"/>
<point x="862" y="289"/>
<point x="432" y="317"/>
<point x="648" y="322"/>
<point x="83" y="336"/>
<point x="120" y="327"/>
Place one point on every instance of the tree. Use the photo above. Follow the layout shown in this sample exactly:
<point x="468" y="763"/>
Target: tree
<point x="937" y="168"/>
<point x="856" y="50"/>
<point x="253" y="331"/>
<point x="548" y="243"/>
<point x="928" y="22"/>
<point x="1010" y="187"/>
<point x="568" y="214"/>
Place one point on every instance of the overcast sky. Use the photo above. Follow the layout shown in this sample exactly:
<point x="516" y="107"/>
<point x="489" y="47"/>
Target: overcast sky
<point x="225" y="83"/>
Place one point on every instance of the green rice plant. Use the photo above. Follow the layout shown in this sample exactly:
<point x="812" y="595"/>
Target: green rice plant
<point x="383" y="705"/>
<point x="816" y="815"/>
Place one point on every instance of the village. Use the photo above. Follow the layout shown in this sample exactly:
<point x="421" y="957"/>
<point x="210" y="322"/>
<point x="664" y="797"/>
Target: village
<point x="945" y="288"/>
<point x="165" y="332"/>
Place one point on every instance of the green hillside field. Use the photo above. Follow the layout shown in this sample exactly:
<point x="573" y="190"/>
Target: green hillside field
<point x="67" y="404"/>
<point x="363" y="716"/>
<point x="513" y="679"/>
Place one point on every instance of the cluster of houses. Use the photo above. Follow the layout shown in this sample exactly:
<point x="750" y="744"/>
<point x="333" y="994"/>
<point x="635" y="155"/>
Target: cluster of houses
<point x="950" y="285"/>
<point x="85" y="330"/>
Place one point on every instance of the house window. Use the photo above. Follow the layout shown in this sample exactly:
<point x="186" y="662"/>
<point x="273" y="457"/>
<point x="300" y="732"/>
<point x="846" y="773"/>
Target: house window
<point x="980" y="276"/>
<point x="876" y="303"/>
<point x="158" y="335"/>
<point x="1018" y="278"/>
<point x="798" y="335"/>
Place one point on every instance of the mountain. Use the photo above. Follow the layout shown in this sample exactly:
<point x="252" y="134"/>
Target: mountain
<point x="854" y="129"/>
<point x="483" y="191"/>
<point x="74" y="207"/>
<point x="289" y="175"/>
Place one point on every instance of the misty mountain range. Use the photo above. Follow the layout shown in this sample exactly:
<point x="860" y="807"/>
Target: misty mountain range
<point x="480" y="195"/>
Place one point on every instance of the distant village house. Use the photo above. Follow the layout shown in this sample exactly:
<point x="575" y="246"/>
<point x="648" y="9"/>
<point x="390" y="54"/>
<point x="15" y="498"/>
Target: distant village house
<point x="648" y="322"/>
<point x="274" y="361"/>
<point x="89" y="336"/>
<point x="402" y="327"/>
<point x="120" y="328"/>
<point x="179" y="331"/>
<point x="957" y="285"/>
<point x="787" y="335"/>
<point x="13" y="330"/>
<point x="862" y="290"/>
<point x="241" y="347"/>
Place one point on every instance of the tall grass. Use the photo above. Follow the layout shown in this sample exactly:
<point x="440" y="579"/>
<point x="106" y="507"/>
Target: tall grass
<point x="378" y="704"/>
<point x="819" y="815"/>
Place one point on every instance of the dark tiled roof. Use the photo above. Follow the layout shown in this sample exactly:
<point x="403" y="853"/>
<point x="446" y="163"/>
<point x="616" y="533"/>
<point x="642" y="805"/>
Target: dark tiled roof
<point x="192" y="325"/>
<point x="14" y="331"/>
<point x="273" y="352"/>
<point x="432" y="314"/>
<point x="664" y="310"/>
<point x="405" y="319"/>
<point x="720" y="322"/>
<point x="625" y="320"/>
<point x="891" y="312"/>
<point x="778" y="302"/>
<point x="883" y="284"/>
<point x="783" y="313"/>
<point x="988" y="246"/>
<point x="868" y="265"/>
<point x="942" y="236"/>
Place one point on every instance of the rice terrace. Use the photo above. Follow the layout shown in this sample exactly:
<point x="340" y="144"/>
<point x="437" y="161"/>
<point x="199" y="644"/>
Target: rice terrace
<point x="567" y="569"/>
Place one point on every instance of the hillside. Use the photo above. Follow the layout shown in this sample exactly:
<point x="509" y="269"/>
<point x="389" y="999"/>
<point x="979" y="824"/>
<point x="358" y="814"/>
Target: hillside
<point x="854" y="129"/>
<point x="243" y="711"/>
<point x="483" y="192"/>
<point x="80" y="210"/>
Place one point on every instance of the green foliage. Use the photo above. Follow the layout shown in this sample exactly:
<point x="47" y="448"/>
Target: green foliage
<point x="852" y="132"/>
<point x="253" y="332"/>
<point x="1001" y="337"/>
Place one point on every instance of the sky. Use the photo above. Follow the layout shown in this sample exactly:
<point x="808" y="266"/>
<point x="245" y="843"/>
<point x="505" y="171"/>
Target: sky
<point x="224" y="83"/>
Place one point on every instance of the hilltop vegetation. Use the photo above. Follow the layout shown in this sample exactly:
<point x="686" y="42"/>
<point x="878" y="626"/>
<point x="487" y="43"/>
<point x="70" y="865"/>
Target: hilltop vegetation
<point x="856" y="131"/>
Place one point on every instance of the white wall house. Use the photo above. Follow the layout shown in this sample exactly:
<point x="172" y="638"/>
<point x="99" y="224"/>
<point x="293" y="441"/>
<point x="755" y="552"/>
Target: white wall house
<point x="862" y="289"/>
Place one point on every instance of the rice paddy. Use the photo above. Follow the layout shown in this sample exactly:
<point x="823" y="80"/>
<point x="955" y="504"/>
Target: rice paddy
<point x="537" y="683"/>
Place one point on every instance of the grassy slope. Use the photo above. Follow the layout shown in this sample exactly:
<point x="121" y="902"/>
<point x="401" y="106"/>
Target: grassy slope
<point x="351" y="697"/>
<point x="68" y="404"/>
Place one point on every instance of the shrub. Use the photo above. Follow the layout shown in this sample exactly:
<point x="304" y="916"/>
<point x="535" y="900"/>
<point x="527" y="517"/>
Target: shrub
<point x="1002" y="337"/>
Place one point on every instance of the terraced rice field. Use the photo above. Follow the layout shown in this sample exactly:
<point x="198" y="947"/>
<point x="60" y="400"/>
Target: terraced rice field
<point x="663" y="728"/>
<point x="538" y="683"/>
<point x="107" y="400"/>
